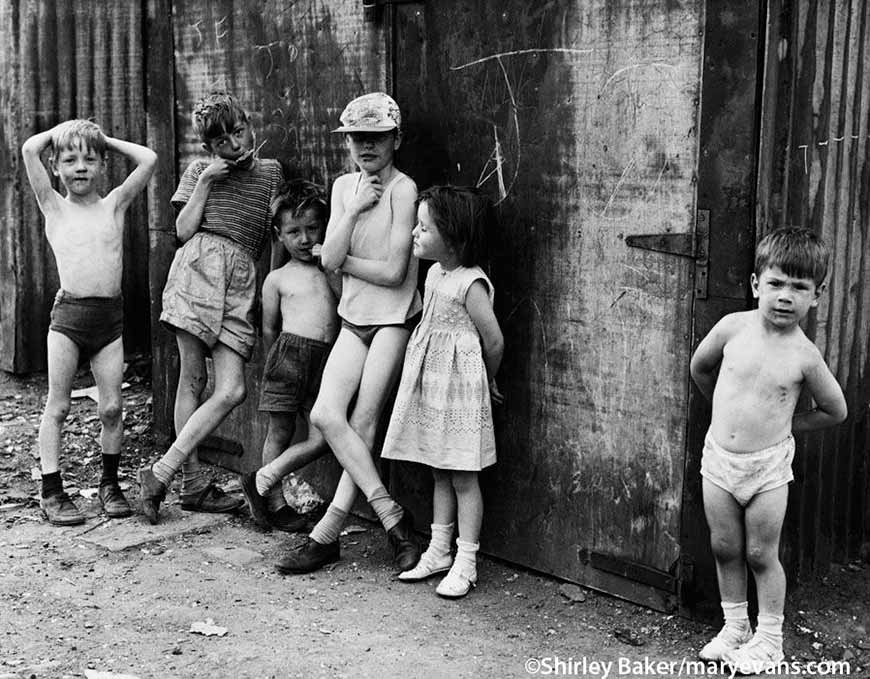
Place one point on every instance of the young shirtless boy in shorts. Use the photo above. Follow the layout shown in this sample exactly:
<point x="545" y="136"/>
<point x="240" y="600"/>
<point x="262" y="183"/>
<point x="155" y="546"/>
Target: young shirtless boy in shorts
<point x="86" y="235"/>
<point x="753" y="365"/>
<point x="300" y="323"/>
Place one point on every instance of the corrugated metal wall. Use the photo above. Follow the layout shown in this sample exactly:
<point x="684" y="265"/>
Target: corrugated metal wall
<point x="62" y="59"/>
<point x="814" y="172"/>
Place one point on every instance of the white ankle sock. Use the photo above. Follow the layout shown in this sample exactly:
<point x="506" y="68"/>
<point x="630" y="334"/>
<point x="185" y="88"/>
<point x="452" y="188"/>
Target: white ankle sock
<point x="442" y="536"/>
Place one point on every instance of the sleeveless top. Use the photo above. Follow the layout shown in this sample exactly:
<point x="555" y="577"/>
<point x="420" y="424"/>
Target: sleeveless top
<point x="364" y="303"/>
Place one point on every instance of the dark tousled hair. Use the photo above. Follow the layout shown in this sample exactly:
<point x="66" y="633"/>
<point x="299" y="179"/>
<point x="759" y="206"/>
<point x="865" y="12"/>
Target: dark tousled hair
<point x="464" y="216"/>
<point x="799" y="252"/>
<point x="297" y="196"/>
<point x="78" y="131"/>
<point x="216" y="114"/>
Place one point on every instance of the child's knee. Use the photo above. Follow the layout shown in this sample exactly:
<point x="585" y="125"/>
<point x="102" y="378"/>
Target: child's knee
<point x="110" y="411"/>
<point x="56" y="409"/>
<point x="726" y="547"/>
<point x="465" y="482"/>
<point x="324" y="417"/>
<point x="761" y="556"/>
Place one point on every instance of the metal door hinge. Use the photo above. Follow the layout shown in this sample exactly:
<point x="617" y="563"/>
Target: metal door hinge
<point x="693" y="245"/>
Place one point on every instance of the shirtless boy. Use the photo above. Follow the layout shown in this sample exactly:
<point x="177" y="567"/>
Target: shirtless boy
<point x="764" y="361"/>
<point x="85" y="232"/>
<point x="300" y="323"/>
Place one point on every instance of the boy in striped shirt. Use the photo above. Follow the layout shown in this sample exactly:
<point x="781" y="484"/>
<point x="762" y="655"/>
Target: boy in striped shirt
<point x="223" y="220"/>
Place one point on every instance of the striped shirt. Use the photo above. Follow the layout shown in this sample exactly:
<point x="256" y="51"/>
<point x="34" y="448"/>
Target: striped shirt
<point x="237" y="206"/>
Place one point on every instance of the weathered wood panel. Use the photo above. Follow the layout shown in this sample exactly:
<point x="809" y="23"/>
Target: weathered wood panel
<point x="63" y="59"/>
<point x="814" y="172"/>
<point x="293" y="66"/>
<point x="581" y="119"/>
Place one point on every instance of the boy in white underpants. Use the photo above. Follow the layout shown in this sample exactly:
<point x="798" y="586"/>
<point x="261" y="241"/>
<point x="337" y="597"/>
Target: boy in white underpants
<point x="753" y="366"/>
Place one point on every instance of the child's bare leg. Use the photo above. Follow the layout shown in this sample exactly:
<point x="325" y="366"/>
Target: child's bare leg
<point x="436" y="558"/>
<point x="229" y="391"/>
<point x="108" y="369"/>
<point x="192" y="379"/>
<point x="381" y="367"/>
<point x="765" y="514"/>
<point x="469" y="513"/>
<point x="725" y="518"/>
<point x="63" y="356"/>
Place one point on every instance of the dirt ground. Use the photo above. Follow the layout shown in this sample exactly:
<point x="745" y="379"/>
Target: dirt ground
<point x="198" y="596"/>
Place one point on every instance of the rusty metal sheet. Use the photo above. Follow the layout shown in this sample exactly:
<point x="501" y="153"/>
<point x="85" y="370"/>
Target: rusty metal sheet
<point x="293" y="66"/>
<point x="813" y="172"/>
<point x="62" y="60"/>
<point x="580" y="119"/>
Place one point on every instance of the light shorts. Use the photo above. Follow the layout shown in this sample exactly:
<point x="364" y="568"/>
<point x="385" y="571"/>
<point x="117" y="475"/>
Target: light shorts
<point x="291" y="374"/>
<point x="745" y="475"/>
<point x="210" y="293"/>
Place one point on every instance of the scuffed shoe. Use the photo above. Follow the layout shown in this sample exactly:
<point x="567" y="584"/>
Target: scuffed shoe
<point x="211" y="499"/>
<point x="730" y="638"/>
<point x="288" y="520"/>
<point x="308" y="557"/>
<point x="151" y="493"/>
<point x="113" y="501"/>
<point x="256" y="502"/>
<point x="406" y="549"/>
<point x="60" y="510"/>
<point x="428" y="566"/>
<point x="458" y="582"/>
<point x="757" y="656"/>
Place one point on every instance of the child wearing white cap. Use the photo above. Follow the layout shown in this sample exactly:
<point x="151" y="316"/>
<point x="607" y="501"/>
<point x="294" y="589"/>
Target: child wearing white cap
<point x="368" y="239"/>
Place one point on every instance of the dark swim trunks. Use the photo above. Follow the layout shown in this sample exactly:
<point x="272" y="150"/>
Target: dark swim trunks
<point x="92" y="323"/>
<point x="291" y="374"/>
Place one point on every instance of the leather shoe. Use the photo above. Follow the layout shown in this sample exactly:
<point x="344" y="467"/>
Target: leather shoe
<point x="288" y="520"/>
<point x="211" y="499"/>
<point x="151" y="493"/>
<point x="308" y="557"/>
<point x="60" y="510"/>
<point x="406" y="548"/>
<point x="428" y="566"/>
<point x="256" y="502"/>
<point x="113" y="501"/>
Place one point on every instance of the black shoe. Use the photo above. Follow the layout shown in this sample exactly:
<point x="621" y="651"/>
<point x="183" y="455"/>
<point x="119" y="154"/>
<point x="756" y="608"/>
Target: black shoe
<point x="406" y="549"/>
<point x="211" y="499"/>
<point x="60" y="510"/>
<point x="114" y="503"/>
<point x="308" y="557"/>
<point x="151" y="493"/>
<point x="256" y="502"/>
<point x="288" y="520"/>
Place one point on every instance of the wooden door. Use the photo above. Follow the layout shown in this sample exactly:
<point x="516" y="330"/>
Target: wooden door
<point x="581" y="121"/>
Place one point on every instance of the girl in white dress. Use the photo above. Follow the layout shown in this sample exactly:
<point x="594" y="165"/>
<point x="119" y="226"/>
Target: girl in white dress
<point x="443" y="414"/>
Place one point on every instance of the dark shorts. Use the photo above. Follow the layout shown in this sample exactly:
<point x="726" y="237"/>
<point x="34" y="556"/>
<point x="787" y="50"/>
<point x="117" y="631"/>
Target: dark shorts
<point x="367" y="333"/>
<point x="291" y="374"/>
<point x="92" y="323"/>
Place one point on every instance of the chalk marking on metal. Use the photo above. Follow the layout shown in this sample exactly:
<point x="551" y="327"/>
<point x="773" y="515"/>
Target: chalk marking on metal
<point x="559" y="50"/>
<point x="616" y="188"/>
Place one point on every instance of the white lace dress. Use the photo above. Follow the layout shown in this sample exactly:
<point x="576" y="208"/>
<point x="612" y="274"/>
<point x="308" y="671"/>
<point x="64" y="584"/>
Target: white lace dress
<point x="443" y="415"/>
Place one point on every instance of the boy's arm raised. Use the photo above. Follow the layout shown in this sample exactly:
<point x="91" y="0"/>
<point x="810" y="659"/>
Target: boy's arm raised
<point x="145" y="160"/>
<point x="707" y="357"/>
<point x="391" y="271"/>
<point x="336" y="243"/>
<point x="37" y="175"/>
<point x="830" y="407"/>
<point x="190" y="216"/>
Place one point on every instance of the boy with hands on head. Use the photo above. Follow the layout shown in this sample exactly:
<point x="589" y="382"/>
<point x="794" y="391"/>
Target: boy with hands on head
<point x="86" y="234"/>
<point x="753" y="366"/>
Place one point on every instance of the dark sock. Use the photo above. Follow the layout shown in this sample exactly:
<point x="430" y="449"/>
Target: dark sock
<point x="51" y="484"/>
<point x="110" y="469"/>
